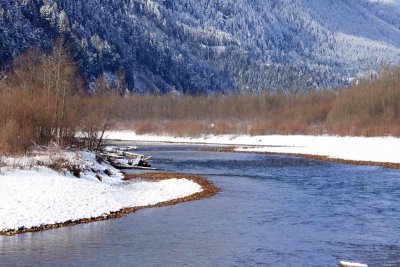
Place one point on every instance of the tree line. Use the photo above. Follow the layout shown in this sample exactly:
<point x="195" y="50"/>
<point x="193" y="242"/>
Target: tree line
<point x="367" y="108"/>
<point x="44" y="99"/>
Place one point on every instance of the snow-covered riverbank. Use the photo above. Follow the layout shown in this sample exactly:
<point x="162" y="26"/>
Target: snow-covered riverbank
<point x="375" y="149"/>
<point x="33" y="195"/>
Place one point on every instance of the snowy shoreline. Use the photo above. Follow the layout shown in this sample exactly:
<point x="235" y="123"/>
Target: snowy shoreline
<point x="37" y="198"/>
<point x="368" y="150"/>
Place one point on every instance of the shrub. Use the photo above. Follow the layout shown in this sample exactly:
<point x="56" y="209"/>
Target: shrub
<point x="44" y="99"/>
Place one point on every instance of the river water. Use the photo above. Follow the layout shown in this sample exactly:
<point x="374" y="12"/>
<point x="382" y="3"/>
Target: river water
<point x="273" y="211"/>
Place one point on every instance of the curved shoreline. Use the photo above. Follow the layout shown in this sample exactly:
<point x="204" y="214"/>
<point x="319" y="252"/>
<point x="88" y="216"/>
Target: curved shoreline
<point x="388" y="165"/>
<point x="209" y="190"/>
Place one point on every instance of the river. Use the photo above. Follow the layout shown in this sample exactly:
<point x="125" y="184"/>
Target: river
<point x="273" y="211"/>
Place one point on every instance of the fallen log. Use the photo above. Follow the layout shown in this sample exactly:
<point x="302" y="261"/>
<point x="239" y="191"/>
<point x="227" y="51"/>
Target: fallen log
<point x="125" y="160"/>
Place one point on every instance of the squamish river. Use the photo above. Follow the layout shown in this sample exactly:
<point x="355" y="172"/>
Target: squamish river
<point x="272" y="211"/>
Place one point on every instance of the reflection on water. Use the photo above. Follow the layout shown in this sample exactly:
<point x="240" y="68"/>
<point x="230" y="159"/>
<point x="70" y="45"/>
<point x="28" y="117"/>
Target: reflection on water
<point x="273" y="211"/>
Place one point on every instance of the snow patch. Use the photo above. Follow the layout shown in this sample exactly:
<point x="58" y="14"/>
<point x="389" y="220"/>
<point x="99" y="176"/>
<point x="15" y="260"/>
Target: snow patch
<point x="368" y="149"/>
<point x="40" y="196"/>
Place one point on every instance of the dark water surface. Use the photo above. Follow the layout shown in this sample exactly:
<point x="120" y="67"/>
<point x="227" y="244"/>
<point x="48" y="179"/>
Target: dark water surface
<point x="273" y="211"/>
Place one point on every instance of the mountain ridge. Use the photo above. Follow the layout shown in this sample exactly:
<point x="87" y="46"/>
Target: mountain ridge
<point x="211" y="46"/>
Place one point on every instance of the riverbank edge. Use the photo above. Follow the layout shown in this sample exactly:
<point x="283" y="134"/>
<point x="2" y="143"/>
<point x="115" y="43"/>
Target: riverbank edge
<point x="209" y="190"/>
<point x="233" y="149"/>
<point x="356" y="150"/>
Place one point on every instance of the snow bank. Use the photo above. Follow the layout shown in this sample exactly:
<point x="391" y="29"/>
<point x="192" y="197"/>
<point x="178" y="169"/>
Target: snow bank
<point x="40" y="196"/>
<point x="376" y="149"/>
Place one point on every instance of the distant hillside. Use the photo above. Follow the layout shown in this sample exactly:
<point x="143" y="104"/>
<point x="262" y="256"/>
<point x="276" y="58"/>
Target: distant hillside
<point x="211" y="46"/>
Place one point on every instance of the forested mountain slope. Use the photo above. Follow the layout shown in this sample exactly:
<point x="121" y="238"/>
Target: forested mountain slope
<point x="210" y="46"/>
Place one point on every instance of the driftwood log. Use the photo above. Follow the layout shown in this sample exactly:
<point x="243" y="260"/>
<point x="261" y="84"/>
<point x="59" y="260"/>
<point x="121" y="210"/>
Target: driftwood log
<point x="123" y="159"/>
